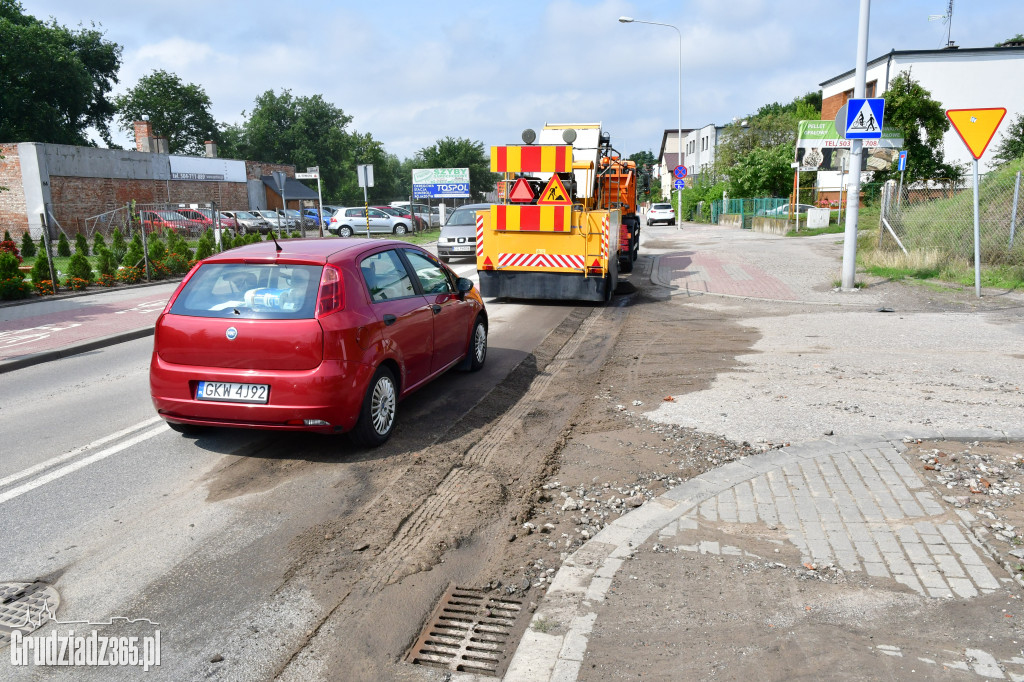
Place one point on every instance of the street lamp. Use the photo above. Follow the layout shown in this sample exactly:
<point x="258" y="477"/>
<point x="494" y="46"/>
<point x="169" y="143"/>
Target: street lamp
<point x="679" y="130"/>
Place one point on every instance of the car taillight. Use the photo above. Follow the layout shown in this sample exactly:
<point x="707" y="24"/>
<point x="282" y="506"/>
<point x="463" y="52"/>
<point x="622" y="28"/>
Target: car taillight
<point x="332" y="296"/>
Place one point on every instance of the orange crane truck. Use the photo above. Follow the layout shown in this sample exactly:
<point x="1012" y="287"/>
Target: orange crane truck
<point x="568" y="222"/>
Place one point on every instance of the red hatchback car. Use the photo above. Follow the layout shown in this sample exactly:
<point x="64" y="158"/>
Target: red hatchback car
<point x="322" y="335"/>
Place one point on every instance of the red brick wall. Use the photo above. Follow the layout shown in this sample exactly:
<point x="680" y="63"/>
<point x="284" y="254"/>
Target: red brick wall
<point x="830" y="106"/>
<point x="254" y="170"/>
<point x="12" y="201"/>
<point x="75" y="199"/>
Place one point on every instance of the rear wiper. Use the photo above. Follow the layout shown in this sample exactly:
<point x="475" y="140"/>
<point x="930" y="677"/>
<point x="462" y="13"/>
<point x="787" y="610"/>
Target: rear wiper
<point x="236" y="311"/>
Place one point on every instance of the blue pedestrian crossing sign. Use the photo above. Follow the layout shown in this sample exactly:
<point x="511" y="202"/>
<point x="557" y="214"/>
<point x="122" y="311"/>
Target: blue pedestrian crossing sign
<point x="864" y="118"/>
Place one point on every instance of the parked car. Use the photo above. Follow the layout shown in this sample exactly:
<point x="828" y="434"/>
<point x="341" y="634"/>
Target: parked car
<point x="312" y="214"/>
<point x="205" y="216"/>
<point x="247" y="222"/>
<point x="298" y="219"/>
<point x="170" y="220"/>
<point x="322" y="336"/>
<point x="274" y="219"/>
<point x="783" y="210"/>
<point x="458" y="236"/>
<point x="403" y="212"/>
<point x="423" y="211"/>
<point x="349" y="221"/>
<point x="661" y="213"/>
<point x="331" y="209"/>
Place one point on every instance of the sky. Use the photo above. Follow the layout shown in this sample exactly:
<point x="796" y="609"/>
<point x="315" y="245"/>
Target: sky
<point x="411" y="73"/>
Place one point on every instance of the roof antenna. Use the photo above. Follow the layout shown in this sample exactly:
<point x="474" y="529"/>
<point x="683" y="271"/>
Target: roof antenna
<point x="279" y="249"/>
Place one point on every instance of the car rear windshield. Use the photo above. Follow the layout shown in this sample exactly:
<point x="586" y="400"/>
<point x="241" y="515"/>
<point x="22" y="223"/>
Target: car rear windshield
<point x="250" y="291"/>
<point x="662" y="207"/>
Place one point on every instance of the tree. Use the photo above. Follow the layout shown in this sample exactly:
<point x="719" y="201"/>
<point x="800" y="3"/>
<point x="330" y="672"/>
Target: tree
<point x="179" y="111"/>
<point x="462" y="153"/>
<point x="305" y="131"/>
<point x="645" y="165"/>
<point x="1011" y="144"/>
<point x="764" y="172"/>
<point x="54" y="82"/>
<point x="909" y="108"/>
<point x="770" y="126"/>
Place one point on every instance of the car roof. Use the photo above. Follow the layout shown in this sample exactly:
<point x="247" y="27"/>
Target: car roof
<point x="475" y="207"/>
<point x="309" y="250"/>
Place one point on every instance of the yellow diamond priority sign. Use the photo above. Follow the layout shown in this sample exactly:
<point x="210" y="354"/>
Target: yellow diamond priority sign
<point x="976" y="127"/>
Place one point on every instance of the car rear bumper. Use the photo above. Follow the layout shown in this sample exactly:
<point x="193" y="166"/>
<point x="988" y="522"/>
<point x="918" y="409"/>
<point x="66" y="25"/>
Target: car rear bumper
<point x="331" y="393"/>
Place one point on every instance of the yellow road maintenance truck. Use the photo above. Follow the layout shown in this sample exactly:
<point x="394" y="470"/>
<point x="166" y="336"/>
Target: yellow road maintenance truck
<point x="551" y="238"/>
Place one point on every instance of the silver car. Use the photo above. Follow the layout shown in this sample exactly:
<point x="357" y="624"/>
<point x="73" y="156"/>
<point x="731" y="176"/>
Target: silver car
<point x="274" y="219"/>
<point x="349" y="221"/>
<point x="458" y="236"/>
<point x="248" y="222"/>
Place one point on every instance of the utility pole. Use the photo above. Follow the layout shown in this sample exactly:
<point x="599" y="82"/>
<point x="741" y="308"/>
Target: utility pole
<point x="849" y="272"/>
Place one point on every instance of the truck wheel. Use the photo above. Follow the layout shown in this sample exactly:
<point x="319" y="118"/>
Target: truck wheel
<point x="626" y="264"/>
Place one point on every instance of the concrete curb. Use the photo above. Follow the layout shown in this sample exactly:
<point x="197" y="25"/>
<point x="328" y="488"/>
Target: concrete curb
<point x="75" y="349"/>
<point x="587" y="574"/>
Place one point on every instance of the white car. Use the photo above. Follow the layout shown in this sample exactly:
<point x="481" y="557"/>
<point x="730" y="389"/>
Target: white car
<point x="661" y="213"/>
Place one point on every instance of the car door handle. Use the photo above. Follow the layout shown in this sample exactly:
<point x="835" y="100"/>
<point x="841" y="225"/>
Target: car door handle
<point x="436" y="308"/>
<point x="389" y="320"/>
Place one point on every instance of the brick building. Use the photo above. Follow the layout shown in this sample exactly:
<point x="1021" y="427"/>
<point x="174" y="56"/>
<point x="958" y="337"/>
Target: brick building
<point x="75" y="183"/>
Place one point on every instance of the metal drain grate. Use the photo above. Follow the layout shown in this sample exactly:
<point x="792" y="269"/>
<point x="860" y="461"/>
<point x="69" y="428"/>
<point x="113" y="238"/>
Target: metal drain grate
<point x="469" y="632"/>
<point x="25" y="607"/>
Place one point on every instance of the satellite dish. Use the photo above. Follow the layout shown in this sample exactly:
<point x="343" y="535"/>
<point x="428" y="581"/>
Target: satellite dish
<point x="529" y="136"/>
<point x="569" y="135"/>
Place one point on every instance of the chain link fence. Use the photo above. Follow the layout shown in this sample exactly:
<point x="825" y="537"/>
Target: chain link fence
<point x="937" y="217"/>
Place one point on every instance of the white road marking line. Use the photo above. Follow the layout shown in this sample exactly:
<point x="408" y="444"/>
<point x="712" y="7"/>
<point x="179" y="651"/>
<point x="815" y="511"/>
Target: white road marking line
<point x="35" y="469"/>
<point x="70" y="468"/>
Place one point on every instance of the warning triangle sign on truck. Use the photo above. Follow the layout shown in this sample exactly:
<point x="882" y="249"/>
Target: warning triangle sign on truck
<point x="554" y="194"/>
<point x="521" y="192"/>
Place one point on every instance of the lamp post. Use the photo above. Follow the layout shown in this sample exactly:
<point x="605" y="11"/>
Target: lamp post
<point x="679" y="129"/>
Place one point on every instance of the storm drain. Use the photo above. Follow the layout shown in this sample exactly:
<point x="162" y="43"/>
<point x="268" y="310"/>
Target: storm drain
<point x="470" y="632"/>
<point x="25" y="607"/>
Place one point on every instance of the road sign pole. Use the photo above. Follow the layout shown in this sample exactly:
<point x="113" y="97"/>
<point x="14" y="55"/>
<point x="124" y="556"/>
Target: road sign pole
<point x="853" y="198"/>
<point x="977" y="236"/>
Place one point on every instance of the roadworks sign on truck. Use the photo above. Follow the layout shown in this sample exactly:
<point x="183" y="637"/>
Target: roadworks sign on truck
<point x="548" y="240"/>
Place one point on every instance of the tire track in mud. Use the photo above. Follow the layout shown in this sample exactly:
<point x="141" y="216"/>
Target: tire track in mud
<point x="419" y="535"/>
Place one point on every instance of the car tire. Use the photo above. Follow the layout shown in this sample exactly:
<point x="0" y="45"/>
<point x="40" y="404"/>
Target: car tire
<point x="400" y="228"/>
<point x="344" y="231"/>
<point x="649" y="222"/>
<point x="240" y="230"/>
<point x="377" y="416"/>
<point x="671" y="222"/>
<point x="476" y="354"/>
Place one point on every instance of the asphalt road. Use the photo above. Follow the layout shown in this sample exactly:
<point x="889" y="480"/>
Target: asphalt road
<point x="129" y="519"/>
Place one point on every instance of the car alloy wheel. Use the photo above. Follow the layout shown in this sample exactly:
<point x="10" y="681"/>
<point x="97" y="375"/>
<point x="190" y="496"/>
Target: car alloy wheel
<point x="344" y="231"/>
<point x="400" y="229"/>
<point x="479" y="348"/>
<point x="377" y="416"/>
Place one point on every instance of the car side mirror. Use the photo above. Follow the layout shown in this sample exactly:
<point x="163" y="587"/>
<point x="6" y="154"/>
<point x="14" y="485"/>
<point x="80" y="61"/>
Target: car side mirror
<point x="464" y="286"/>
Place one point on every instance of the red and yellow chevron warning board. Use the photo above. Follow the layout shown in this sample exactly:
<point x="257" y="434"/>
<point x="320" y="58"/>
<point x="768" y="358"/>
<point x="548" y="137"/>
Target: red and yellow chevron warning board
<point x="531" y="159"/>
<point x="540" y="260"/>
<point x="531" y="218"/>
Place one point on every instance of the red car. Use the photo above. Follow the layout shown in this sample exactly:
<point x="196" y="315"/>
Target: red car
<point x="205" y="216"/>
<point x="402" y="212"/>
<point x="321" y="335"/>
<point x="153" y="221"/>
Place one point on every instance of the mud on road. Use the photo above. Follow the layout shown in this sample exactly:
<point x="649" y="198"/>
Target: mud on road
<point x="541" y="464"/>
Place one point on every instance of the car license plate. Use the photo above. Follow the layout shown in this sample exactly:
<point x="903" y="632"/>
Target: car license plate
<point x="463" y="248"/>
<point x="232" y="393"/>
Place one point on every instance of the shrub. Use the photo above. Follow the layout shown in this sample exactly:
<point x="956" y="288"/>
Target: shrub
<point x="9" y="265"/>
<point x="8" y="246"/>
<point x="296" y="235"/>
<point x="209" y="235"/>
<point x="105" y="262"/>
<point x="7" y="236"/>
<point x="175" y="263"/>
<point x="159" y="270"/>
<point x="28" y="247"/>
<point x="98" y="242"/>
<point x="157" y="249"/>
<point x="205" y="248"/>
<point x="79" y="267"/>
<point x="63" y="248"/>
<point x="75" y="283"/>
<point x="12" y="288"/>
<point x="178" y="246"/>
<point x="129" y="274"/>
<point x="133" y="254"/>
<point x="81" y="245"/>
<point x="42" y="243"/>
<point x="44" y="287"/>
<point x="106" y="280"/>
<point x="117" y="245"/>
<point x="40" y="268"/>
<point x="226" y="242"/>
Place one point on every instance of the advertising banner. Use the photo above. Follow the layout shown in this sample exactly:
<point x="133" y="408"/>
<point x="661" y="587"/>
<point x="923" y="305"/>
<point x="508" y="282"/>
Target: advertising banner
<point x="440" y="183"/>
<point x="819" y="148"/>
<point x="207" y="170"/>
